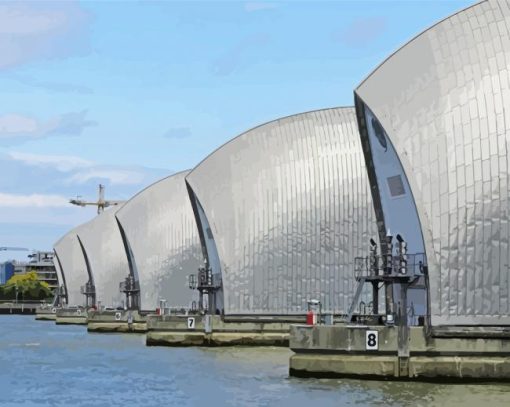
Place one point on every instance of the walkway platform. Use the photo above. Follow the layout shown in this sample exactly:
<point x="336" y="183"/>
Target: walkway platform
<point x="214" y="330"/>
<point x="71" y="316"/>
<point x="116" y="321"/>
<point x="18" y="308"/>
<point x="374" y="352"/>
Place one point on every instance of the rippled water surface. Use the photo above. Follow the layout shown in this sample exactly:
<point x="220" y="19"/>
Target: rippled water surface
<point x="42" y="364"/>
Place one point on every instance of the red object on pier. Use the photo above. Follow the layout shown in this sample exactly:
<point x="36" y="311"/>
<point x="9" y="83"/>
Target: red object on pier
<point x="310" y="318"/>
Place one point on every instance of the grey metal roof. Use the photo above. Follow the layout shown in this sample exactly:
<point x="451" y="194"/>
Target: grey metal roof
<point x="289" y="207"/>
<point x="162" y="235"/>
<point x="74" y="269"/>
<point x="107" y="258"/>
<point x="444" y="102"/>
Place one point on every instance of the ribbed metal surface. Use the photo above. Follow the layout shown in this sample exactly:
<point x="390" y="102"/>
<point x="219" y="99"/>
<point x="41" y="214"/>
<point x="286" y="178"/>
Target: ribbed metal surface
<point x="289" y="208"/>
<point x="74" y="270"/>
<point x="58" y="270"/>
<point x="444" y="101"/>
<point x="161" y="232"/>
<point x="103" y="245"/>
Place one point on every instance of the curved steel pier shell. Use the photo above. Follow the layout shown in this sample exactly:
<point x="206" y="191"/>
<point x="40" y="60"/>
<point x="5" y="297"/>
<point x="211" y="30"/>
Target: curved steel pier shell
<point x="60" y="275"/>
<point x="103" y="247"/>
<point x="70" y="261"/>
<point x="441" y="103"/>
<point x="161" y="239"/>
<point x="287" y="207"/>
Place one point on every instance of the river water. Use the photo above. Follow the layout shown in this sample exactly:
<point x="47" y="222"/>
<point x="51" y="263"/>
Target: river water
<point x="42" y="364"/>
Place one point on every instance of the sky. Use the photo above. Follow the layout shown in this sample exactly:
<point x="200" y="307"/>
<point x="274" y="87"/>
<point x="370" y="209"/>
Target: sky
<point x="127" y="92"/>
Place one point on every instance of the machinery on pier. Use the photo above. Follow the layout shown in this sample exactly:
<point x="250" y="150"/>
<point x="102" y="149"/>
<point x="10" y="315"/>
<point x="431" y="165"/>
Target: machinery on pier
<point x="101" y="202"/>
<point x="89" y="291"/>
<point x="131" y="288"/>
<point x="206" y="283"/>
<point x="397" y="273"/>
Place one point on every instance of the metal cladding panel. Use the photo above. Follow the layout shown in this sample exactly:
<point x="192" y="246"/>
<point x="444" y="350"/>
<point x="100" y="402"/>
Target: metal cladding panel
<point x="105" y="251"/>
<point x="73" y="266"/>
<point x="160" y="229"/>
<point x="444" y="102"/>
<point x="58" y="270"/>
<point x="289" y="207"/>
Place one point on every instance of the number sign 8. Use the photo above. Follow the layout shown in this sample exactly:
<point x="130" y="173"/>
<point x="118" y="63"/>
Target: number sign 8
<point x="372" y="340"/>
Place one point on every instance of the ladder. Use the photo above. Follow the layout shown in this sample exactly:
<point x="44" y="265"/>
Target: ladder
<point x="359" y="290"/>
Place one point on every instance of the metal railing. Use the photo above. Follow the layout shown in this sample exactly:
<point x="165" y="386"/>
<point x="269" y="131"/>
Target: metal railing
<point x="88" y="289"/>
<point x="377" y="265"/>
<point x="14" y="302"/>
<point x="128" y="286"/>
<point x="204" y="280"/>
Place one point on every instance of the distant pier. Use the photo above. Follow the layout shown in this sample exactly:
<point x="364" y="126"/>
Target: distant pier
<point x="19" y="308"/>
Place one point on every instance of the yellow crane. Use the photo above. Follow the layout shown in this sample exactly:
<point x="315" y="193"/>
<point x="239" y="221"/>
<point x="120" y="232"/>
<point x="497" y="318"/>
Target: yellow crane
<point x="101" y="203"/>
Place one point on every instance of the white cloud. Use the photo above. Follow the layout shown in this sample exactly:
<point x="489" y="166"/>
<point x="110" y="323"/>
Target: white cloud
<point x="32" y="200"/>
<point x="24" y="20"/>
<point x="12" y="124"/>
<point x="63" y="163"/>
<point x="114" y="176"/>
<point x="16" y="128"/>
<point x="33" y="30"/>
<point x="80" y="171"/>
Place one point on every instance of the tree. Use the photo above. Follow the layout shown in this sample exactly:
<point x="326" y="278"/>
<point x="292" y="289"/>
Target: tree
<point x="27" y="286"/>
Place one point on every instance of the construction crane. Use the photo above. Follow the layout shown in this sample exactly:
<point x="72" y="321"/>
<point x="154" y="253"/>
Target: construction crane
<point x="13" y="249"/>
<point x="101" y="203"/>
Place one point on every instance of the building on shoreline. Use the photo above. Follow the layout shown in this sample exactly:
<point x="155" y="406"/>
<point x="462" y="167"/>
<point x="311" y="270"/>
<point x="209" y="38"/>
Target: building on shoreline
<point x="40" y="262"/>
<point x="6" y="271"/>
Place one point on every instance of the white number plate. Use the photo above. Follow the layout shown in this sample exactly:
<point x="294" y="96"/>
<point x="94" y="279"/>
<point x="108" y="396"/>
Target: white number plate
<point x="372" y="340"/>
<point x="191" y="323"/>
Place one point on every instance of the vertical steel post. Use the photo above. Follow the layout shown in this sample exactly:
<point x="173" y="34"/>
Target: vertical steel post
<point x="388" y="268"/>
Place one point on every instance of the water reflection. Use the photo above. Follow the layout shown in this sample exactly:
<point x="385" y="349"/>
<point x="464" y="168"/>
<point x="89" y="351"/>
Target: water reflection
<point x="69" y="367"/>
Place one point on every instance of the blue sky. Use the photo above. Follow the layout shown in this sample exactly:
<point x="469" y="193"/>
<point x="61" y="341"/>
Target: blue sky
<point x="125" y="93"/>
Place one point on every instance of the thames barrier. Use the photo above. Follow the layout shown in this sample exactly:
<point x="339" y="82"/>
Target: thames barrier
<point x="369" y="241"/>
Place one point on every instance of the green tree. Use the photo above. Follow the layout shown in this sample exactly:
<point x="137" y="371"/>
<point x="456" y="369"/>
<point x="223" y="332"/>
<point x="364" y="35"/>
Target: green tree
<point x="28" y="287"/>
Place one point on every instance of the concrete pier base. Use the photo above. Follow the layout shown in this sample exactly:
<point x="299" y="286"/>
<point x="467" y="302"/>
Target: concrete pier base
<point x="45" y="317"/>
<point x="212" y="330"/>
<point x="116" y="321"/>
<point x="71" y="316"/>
<point x="46" y="314"/>
<point x="424" y="368"/>
<point x="344" y="351"/>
